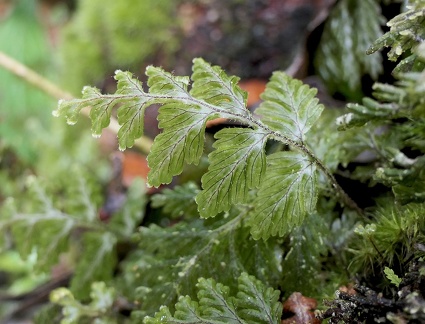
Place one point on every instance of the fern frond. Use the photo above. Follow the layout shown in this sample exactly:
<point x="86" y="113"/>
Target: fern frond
<point x="238" y="163"/>
<point x="254" y="303"/>
<point x="215" y="302"/>
<point x="403" y="99"/>
<point x="130" y="98"/>
<point x="369" y="110"/>
<point x="398" y="108"/>
<point x="47" y="232"/>
<point x="341" y="61"/>
<point x="407" y="183"/>
<point x="170" y="267"/>
<point x="47" y="229"/>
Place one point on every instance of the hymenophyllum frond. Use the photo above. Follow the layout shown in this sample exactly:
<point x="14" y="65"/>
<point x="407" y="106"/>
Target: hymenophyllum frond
<point x="239" y="162"/>
<point x="169" y="268"/>
<point x="340" y="61"/>
<point x="254" y="303"/>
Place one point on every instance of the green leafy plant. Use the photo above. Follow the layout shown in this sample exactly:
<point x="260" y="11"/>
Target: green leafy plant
<point x="46" y="230"/>
<point x="349" y="31"/>
<point x="252" y="304"/>
<point x="273" y="209"/>
<point x="286" y="181"/>
<point x="273" y="193"/>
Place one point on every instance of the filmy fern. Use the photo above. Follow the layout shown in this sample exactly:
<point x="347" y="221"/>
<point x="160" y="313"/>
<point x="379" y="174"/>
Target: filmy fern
<point x="341" y="61"/>
<point x="249" y="192"/>
<point x="163" y="274"/>
<point x="47" y="230"/>
<point x="253" y="303"/>
<point x="286" y="181"/>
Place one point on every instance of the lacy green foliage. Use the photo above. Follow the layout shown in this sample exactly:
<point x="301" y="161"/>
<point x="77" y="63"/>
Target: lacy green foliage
<point x="341" y="61"/>
<point x="100" y="113"/>
<point x="27" y="225"/>
<point x="407" y="31"/>
<point x="253" y="303"/>
<point x="239" y="161"/>
<point x="105" y="35"/>
<point x="257" y="191"/>
<point x="47" y="231"/>
<point x="390" y="239"/>
<point x="400" y="107"/>
<point x="47" y="228"/>
<point x="179" y="201"/>
<point x="170" y="260"/>
<point x="407" y="184"/>
<point x="100" y="309"/>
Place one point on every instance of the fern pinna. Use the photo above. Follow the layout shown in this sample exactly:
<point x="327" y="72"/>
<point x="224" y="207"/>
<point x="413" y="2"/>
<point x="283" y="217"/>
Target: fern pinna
<point x="286" y="181"/>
